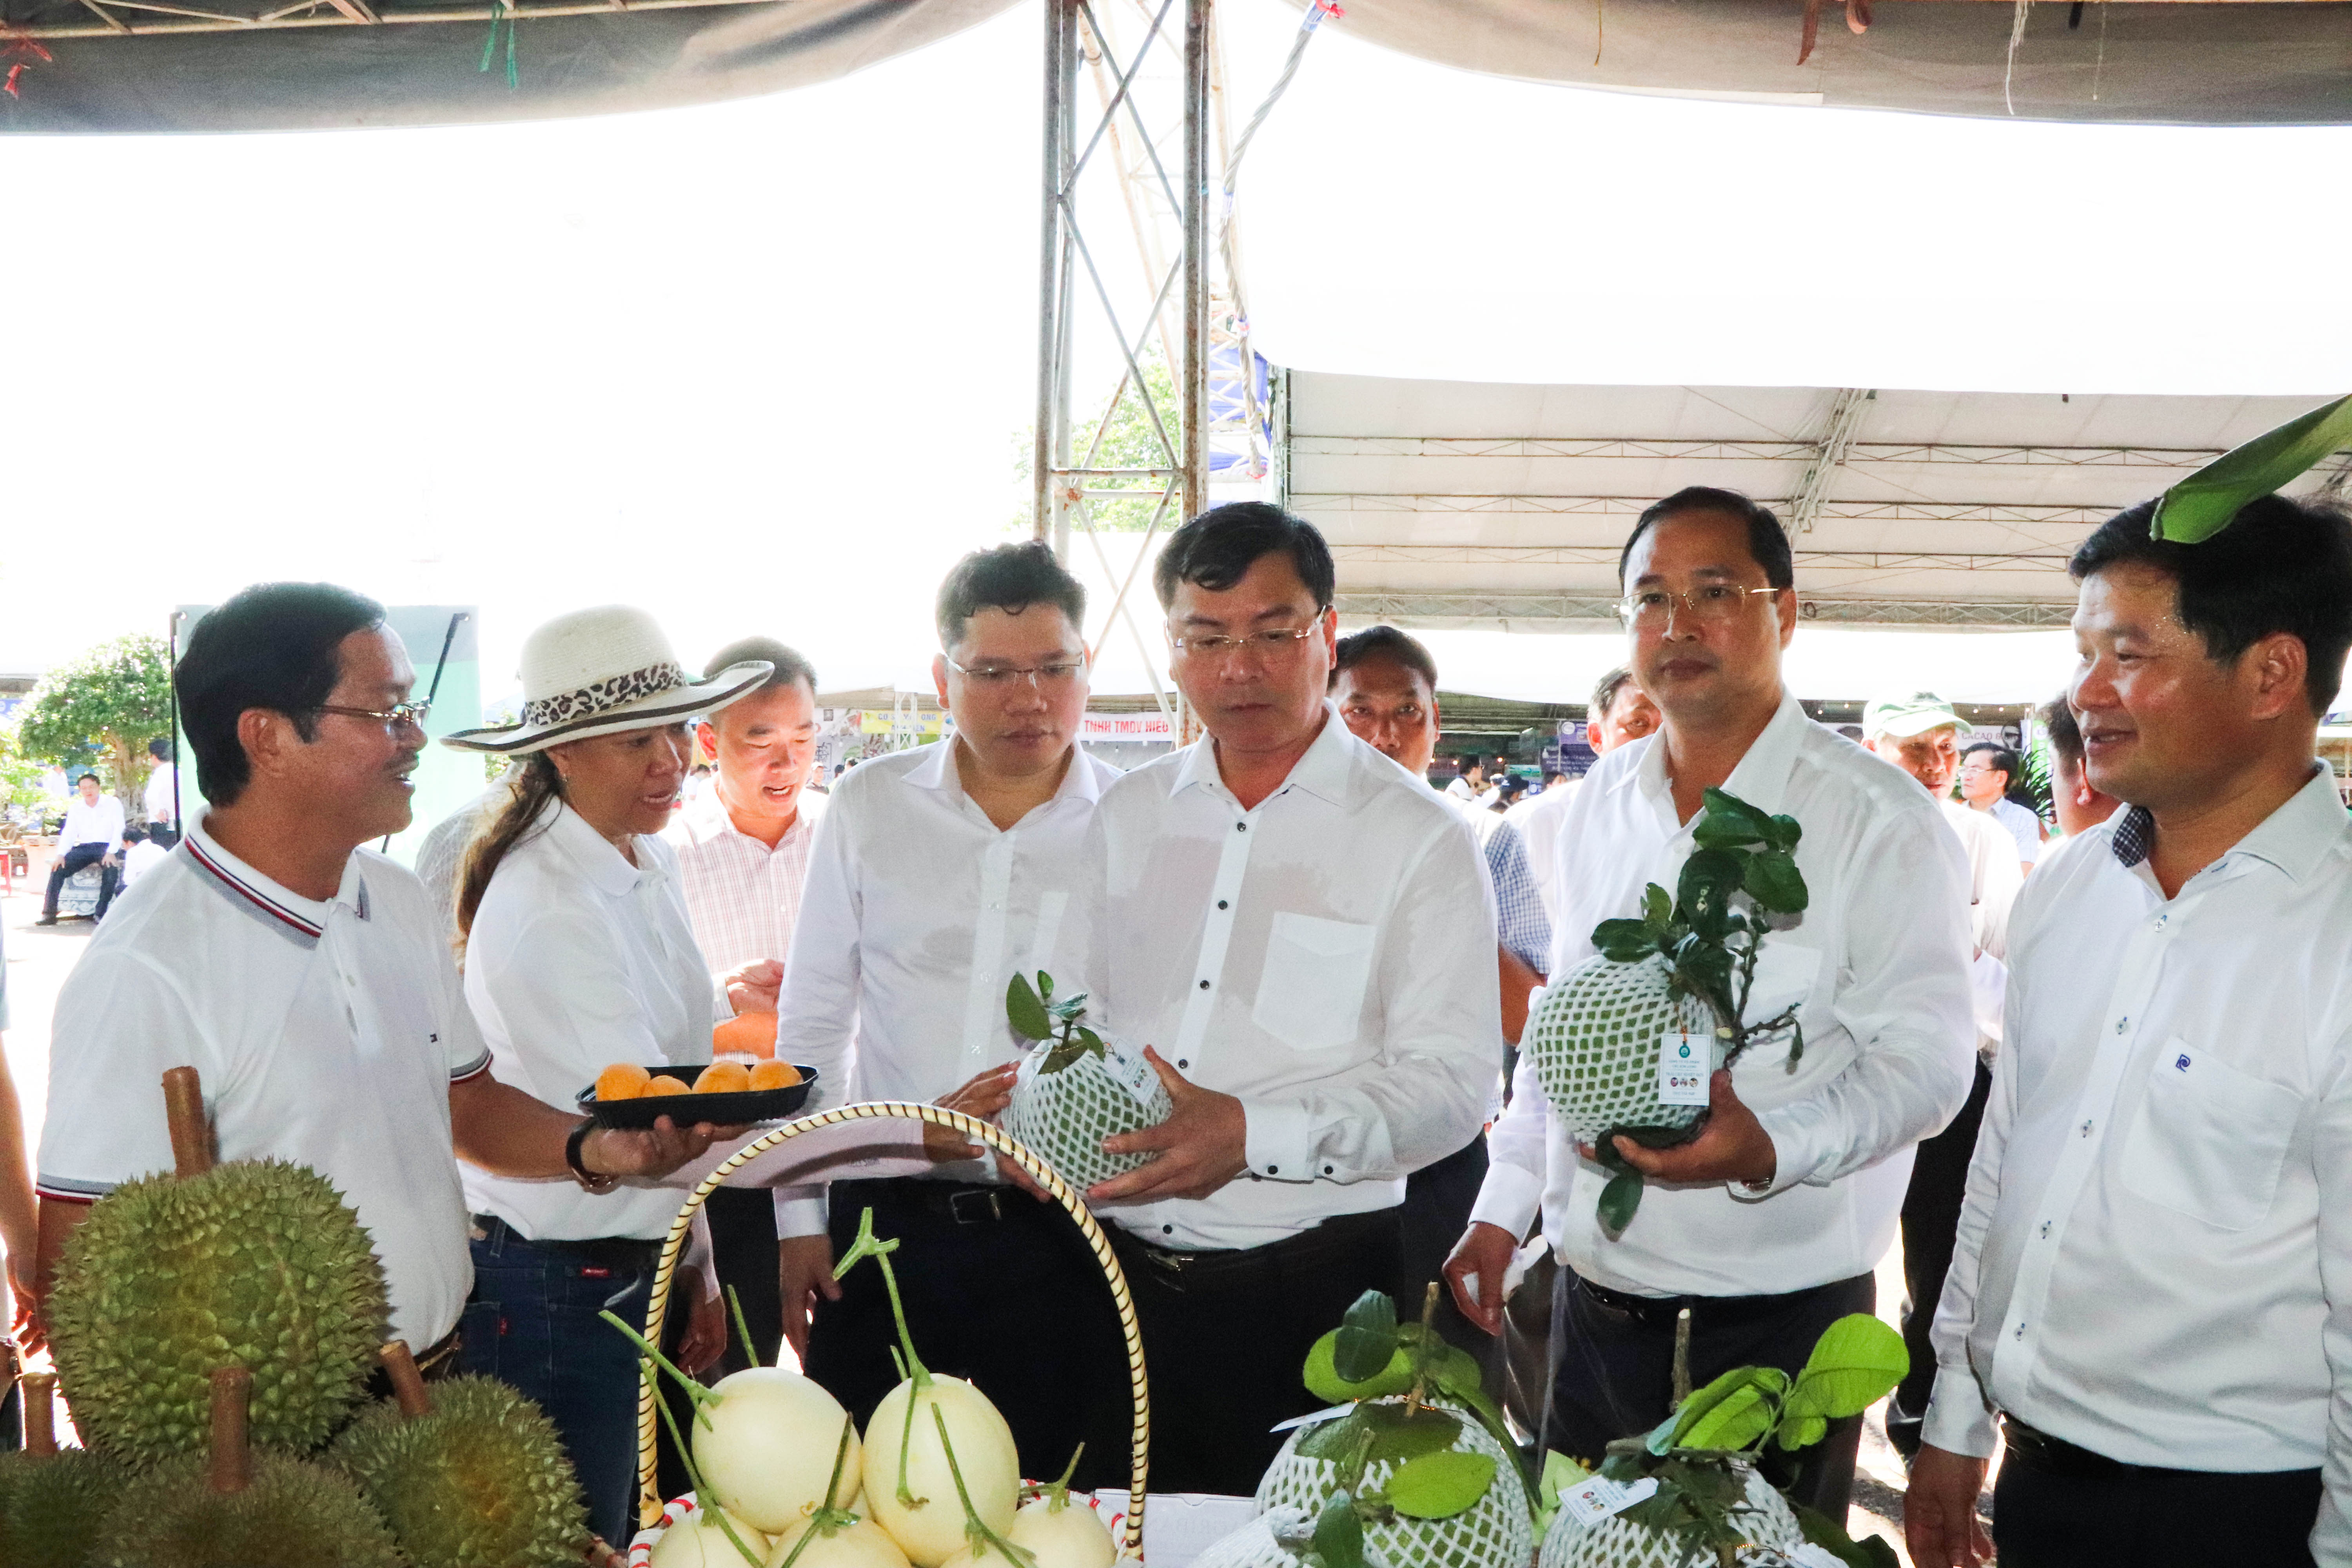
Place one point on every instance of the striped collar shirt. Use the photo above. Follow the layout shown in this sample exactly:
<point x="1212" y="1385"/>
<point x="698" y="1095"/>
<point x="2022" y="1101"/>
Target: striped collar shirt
<point x="743" y="897"/>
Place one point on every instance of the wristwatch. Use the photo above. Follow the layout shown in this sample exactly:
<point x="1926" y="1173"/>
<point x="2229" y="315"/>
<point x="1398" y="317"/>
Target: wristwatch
<point x="581" y="1174"/>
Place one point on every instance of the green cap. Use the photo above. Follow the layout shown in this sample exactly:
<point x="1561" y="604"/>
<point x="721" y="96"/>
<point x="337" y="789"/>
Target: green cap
<point x="1900" y="718"/>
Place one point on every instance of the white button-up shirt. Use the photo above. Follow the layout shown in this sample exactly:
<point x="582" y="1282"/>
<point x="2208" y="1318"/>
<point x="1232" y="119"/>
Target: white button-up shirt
<point x="743" y="897"/>
<point x="1538" y="821"/>
<point x="161" y="799"/>
<point x="579" y="960"/>
<point x="326" y="1034"/>
<point x="86" y="823"/>
<point x="1879" y="960"/>
<point x="1326" y="958"/>
<point x="2155" y="1260"/>
<point x="917" y="913"/>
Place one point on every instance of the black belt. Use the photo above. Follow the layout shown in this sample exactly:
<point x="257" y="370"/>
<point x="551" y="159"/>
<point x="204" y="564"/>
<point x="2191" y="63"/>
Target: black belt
<point x="1661" y="1310"/>
<point x="620" y="1253"/>
<point x="1183" y="1267"/>
<point x="961" y="1202"/>
<point x="2057" y="1457"/>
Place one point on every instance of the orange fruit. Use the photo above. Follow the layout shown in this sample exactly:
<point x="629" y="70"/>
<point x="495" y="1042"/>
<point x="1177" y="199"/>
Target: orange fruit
<point x="746" y="1034"/>
<point x="665" y="1084"/>
<point x="622" y="1080"/>
<point x="775" y="1075"/>
<point x="723" y="1077"/>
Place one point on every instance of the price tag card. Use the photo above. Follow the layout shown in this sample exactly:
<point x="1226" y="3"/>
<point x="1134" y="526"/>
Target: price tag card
<point x="1683" y="1065"/>
<point x="1126" y="1066"/>
<point x="1598" y="1498"/>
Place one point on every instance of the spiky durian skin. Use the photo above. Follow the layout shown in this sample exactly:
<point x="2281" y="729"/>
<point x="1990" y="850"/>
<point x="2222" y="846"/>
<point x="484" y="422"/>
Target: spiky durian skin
<point x="256" y="1264"/>
<point x="51" y="1508"/>
<point x="296" y="1514"/>
<point x="481" y="1482"/>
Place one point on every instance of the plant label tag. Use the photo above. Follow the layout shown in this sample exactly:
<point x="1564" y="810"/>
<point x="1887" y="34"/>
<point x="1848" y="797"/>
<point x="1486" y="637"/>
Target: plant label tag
<point x="1683" y="1063"/>
<point x="1320" y="1416"/>
<point x="1598" y="1498"/>
<point x="1129" y="1069"/>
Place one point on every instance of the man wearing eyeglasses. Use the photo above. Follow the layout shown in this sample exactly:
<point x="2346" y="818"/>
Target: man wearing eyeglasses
<point x="938" y="874"/>
<point x="1766" y="1226"/>
<point x="1300" y="933"/>
<point x="307" y="980"/>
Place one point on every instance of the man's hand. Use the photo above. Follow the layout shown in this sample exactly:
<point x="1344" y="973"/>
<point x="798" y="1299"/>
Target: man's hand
<point x="1485" y="1251"/>
<point x="652" y="1153"/>
<point x="706" y="1335"/>
<point x="1734" y="1148"/>
<point x="983" y="1096"/>
<point x="1939" y="1512"/>
<point x="804" y="1272"/>
<point x="752" y="987"/>
<point x="1201" y="1147"/>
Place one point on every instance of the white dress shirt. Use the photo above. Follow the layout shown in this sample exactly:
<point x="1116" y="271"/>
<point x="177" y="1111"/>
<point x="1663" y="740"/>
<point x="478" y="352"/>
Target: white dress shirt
<point x="1879" y="960"/>
<point x="1326" y="958"/>
<point x="86" y="823"/>
<point x="2154" y="1260"/>
<point x="579" y="960"/>
<point x="1538" y="821"/>
<point x="743" y="897"/>
<point x="141" y="859"/>
<point x="917" y="913"/>
<point x="159" y="796"/>
<point x="1995" y="874"/>
<point x="326" y="1034"/>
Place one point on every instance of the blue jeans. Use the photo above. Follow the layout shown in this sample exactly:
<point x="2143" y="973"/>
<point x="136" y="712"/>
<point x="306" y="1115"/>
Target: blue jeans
<point x="532" y="1323"/>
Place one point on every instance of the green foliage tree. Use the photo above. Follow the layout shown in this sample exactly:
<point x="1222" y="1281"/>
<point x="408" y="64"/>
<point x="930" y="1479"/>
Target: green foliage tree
<point x="112" y="699"/>
<point x="1128" y="441"/>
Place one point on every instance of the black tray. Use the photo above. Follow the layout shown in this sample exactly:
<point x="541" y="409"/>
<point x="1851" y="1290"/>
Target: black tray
<point x="737" y="1110"/>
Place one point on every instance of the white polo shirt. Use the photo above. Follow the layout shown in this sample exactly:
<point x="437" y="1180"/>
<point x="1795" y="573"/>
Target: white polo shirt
<point x="579" y="960"/>
<point x="326" y="1034"/>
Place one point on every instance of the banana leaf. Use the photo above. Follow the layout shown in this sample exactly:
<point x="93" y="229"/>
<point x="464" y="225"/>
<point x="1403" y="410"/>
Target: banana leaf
<point x="2201" y="505"/>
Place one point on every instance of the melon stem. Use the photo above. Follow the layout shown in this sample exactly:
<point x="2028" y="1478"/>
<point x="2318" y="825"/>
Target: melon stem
<point x="828" y="1519"/>
<point x="700" y="1395"/>
<point x="742" y="1329"/>
<point x="975" y="1529"/>
<point x="701" y="1493"/>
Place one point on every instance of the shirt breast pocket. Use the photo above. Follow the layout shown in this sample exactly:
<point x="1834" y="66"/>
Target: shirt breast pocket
<point x="1310" y="996"/>
<point x="2209" y="1140"/>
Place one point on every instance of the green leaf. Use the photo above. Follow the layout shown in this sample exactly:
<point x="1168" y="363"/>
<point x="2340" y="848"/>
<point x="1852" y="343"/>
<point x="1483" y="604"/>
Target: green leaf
<point x="1044" y="985"/>
<point x="1618" y="1199"/>
<point x="1702" y="895"/>
<point x="1439" y="1486"/>
<point x="1367" y="1338"/>
<point x="1092" y="1040"/>
<point x="1730" y="823"/>
<point x="1657" y="906"/>
<point x="1338" y="1533"/>
<point x="2203" y="504"/>
<point x="1720" y="1416"/>
<point x="1458" y="1376"/>
<point x="1774" y="881"/>
<point x="1661" y="1438"/>
<point x="1325" y="1382"/>
<point x="1802" y="1432"/>
<point x="1825" y="1533"/>
<point x="1560" y="1474"/>
<point x="1853" y="1365"/>
<point x="1395" y="1434"/>
<point x="1024" y="1011"/>
<point x="1786" y="833"/>
<point x="1625" y="941"/>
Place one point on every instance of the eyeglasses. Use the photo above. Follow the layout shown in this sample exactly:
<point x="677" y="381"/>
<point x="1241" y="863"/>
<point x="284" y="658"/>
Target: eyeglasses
<point x="406" y="714"/>
<point x="1712" y="603"/>
<point x="1054" y="676"/>
<point x="1272" y="644"/>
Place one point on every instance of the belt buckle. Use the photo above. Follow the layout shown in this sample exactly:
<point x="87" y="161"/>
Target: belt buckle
<point x="975" y="1207"/>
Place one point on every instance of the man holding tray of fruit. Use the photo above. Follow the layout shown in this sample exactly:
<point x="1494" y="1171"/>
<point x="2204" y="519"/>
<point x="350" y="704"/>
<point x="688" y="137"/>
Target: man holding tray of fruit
<point x="1818" y="917"/>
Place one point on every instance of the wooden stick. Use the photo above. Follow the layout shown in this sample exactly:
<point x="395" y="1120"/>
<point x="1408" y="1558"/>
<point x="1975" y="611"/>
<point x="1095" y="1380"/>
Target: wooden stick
<point x="38" y="1390"/>
<point x="191" y="1136"/>
<point x="407" y="1382"/>
<point x="232" y="1469"/>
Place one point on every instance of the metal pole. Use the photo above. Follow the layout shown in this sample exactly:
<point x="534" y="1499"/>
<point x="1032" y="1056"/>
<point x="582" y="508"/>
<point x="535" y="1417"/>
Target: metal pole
<point x="1049" y="283"/>
<point x="1196" y="257"/>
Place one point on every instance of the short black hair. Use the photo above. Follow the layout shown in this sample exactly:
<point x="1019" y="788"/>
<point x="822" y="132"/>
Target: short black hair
<point x="1216" y="550"/>
<point x="87" y="777"/>
<point x="2003" y="759"/>
<point x="1011" y="578"/>
<point x="134" y="835"/>
<point x="1768" y="542"/>
<point x="2065" y="734"/>
<point x="2280" y="565"/>
<point x="790" y="666"/>
<point x="1604" y="692"/>
<point x="1385" y="642"/>
<point x="159" y="748"/>
<point x="273" y="646"/>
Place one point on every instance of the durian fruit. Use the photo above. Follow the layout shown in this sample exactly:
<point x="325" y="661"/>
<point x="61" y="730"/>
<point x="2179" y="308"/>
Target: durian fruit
<point x="1769" y="1524"/>
<point x="237" y="1509"/>
<point x="1077" y="1088"/>
<point x="1495" y="1531"/>
<point x="1596" y="1038"/>
<point x="256" y="1264"/>
<point x="468" y="1474"/>
<point x="52" y="1501"/>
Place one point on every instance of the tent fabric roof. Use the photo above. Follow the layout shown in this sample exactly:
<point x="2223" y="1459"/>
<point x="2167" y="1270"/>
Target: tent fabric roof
<point x="2235" y="64"/>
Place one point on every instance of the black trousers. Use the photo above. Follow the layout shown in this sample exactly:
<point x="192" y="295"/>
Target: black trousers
<point x="1225" y="1334"/>
<point x="743" y="1246"/>
<point x="1616" y="1358"/>
<point x="2045" y="1517"/>
<point x="1931" y="1221"/>
<point x="1436" y="1211"/>
<point x="73" y="860"/>
<point x="1001" y="1290"/>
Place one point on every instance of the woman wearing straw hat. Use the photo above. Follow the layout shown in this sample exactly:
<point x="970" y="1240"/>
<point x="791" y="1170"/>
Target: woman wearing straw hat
<point x="578" y="955"/>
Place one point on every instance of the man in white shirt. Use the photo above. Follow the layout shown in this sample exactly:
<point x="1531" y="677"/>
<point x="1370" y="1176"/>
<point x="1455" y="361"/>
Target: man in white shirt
<point x="1987" y="770"/>
<point x="161" y="797"/>
<point x="93" y="836"/>
<point x="2153" y="1287"/>
<point x="1617" y="713"/>
<point x="742" y="856"/>
<point x="306" y="978"/>
<point x="1470" y="783"/>
<point x="1299" y="934"/>
<point x="140" y="855"/>
<point x="2079" y="805"/>
<point x="1920" y="734"/>
<point x="940" y="873"/>
<point x="1767" y="1224"/>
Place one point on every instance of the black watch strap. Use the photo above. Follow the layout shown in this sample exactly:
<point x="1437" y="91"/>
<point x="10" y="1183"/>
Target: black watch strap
<point x="580" y="1171"/>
